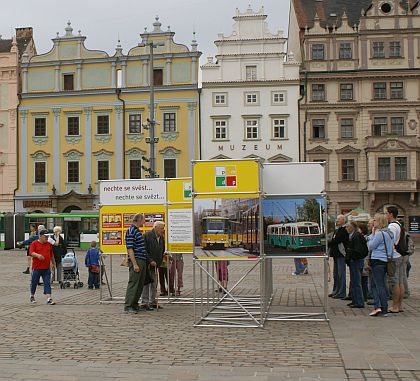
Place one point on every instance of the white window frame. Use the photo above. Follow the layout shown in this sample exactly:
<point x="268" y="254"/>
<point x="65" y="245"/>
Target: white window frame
<point x="176" y="165"/>
<point x="46" y="171"/>
<point x="252" y="94"/>
<point x="163" y="120"/>
<point x="109" y="122"/>
<point x="246" y="120"/>
<point x="273" y="127"/>
<point x="40" y="116"/>
<point x="78" y="164"/>
<point x="253" y="76"/>
<point x="97" y="169"/>
<point x="215" y="127"/>
<point x="141" y="121"/>
<point x="129" y="167"/>
<point x="282" y="102"/>
<point x="67" y="126"/>
<point x="220" y="104"/>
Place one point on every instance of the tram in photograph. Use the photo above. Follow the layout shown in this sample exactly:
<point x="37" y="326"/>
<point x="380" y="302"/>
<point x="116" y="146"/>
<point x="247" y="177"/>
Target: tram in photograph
<point x="215" y="232"/>
<point x="80" y="228"/>
<point x="294" y="235"/>
<point x="250" y="229"/>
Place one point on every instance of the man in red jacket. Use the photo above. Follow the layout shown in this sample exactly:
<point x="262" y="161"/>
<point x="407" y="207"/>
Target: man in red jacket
<point x="42" y="261"/>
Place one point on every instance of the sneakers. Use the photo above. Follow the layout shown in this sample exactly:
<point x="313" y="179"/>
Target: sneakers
<point x="50" y="302"/>
<point x="130" y="310"/>
<point x="32" y="299"/>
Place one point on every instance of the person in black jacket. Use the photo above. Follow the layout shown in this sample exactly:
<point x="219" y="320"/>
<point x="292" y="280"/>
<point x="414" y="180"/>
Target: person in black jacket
<point x="356" y="252"/>
<point x="59" y="250"/>
<point x="154" y="242"/>
<point x="337" y="250"/>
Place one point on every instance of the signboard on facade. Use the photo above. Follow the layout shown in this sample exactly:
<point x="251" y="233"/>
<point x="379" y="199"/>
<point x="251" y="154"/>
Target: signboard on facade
<point x="37" y="203"/>
<point x="414" y="224"/>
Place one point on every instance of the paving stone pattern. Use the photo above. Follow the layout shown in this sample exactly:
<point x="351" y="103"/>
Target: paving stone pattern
<point x="79" y="338"/>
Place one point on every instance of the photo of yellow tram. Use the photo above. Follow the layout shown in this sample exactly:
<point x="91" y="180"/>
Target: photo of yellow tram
<point x="215" y="232"/>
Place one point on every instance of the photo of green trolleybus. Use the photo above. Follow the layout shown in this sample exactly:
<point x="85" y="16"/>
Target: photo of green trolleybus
<point x="294" y="236"/>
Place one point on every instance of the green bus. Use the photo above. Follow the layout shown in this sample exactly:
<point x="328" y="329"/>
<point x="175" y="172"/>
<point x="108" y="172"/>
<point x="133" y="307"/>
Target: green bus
<point x="294" y="235"/>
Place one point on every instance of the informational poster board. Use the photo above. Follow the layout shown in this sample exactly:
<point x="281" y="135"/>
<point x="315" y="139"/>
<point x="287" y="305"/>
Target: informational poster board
<point x="226" y="208"/>
<point x="166" y="200"/>
<point x="179" y="232"/>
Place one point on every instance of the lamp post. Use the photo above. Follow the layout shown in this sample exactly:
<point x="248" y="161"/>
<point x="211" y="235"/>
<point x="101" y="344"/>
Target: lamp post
<point x="152" y="140"/>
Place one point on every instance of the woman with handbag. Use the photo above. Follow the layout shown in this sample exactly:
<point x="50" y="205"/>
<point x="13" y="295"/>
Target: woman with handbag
<point x="380" y="245"/>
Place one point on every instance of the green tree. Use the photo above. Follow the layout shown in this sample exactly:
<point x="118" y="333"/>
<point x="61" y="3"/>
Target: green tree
<point x="308" y="211"/>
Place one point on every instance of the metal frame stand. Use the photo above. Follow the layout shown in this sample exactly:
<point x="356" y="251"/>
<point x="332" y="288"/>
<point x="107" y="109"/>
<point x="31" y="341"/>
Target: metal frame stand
<point x="226" y="308"/>
<point x="111" y="298"/>
<point x="302" y="316"/>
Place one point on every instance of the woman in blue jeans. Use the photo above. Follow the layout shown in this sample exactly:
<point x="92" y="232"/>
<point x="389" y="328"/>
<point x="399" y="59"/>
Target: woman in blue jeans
<point x="381" y="245"/>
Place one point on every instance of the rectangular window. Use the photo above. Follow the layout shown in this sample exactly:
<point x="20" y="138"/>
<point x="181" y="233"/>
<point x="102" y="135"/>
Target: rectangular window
<point x="251" y="73"/>
<point x="347" y="128"/>
<point x="345" y="52"/>
<point x="169" y="168"/>
<point x="103" y="124"/>
<point x="169" y="122"/>
<point x="158" y="77"/>
<point x="73" y="172"/>
<point x="395" y="49"/>
<point x="397" y="126"/>
<point x="318" y="92"/>
<point x="103" y="170"/>
<point x="318" y="128"/>
<point x="279" y="128"/>
<point x="380" y="126"/>
<point x="73" y="126"/>
<point x="251" y="129"/>
<point x="219" y="99"/>
<point x="134" y="123"/>
<point x="347" y="170"/>
<point x="397" y="90"/>
<point x="251" y="98"/>
<point x="135" y="169"/>
<point x="40" y="127"/>
<point x="278" y="98"/>
<point x="384" y="168"/>
<point x="68" y="82"/>
<point x="378" y="49"/>
<point x="346" y="92"/>
<point x="400" y="168"/>
<point x="318" y="52"/>
<point x="40" y="172"/>
<point x="220" y="129"/>
<point x="379" y="90"/>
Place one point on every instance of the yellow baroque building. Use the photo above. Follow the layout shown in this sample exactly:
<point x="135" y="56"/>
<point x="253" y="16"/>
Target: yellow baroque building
<point x="82" y="118"/>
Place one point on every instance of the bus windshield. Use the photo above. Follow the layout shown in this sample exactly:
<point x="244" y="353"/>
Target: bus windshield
<point x="303" y="230"/>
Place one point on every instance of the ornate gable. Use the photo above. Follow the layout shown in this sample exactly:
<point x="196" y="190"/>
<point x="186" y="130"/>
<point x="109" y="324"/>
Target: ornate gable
<point x="220" y="157"/>
<point x="319" y="150"/>
<point x="279" y="159"/>
<point x="348" y="150"/>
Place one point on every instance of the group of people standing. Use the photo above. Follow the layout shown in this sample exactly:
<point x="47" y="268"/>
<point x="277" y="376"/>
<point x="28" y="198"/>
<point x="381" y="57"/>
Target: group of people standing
<point x="377" y="268"/>
<point x="148" y="263"/>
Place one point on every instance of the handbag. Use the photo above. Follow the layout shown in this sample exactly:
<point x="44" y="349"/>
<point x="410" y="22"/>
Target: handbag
<point x="95" y="269"/>
<point x="391" y="267"/>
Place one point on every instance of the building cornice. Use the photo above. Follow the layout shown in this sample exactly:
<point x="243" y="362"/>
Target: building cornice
<point x="267" y="83"/>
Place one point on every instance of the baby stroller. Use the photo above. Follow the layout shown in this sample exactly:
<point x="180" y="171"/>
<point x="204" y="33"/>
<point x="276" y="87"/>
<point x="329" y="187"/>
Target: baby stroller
<point x="70" y="271"/>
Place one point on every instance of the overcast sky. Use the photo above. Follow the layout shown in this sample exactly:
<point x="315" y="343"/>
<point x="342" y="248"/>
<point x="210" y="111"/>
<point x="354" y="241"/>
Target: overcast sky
<point x="103" y="21"/>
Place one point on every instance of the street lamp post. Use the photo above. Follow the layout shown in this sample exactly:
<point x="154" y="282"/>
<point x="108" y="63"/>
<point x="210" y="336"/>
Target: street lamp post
<point x="152" y="140"/>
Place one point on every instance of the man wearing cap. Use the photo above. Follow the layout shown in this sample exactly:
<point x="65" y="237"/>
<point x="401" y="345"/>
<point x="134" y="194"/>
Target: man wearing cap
<point x="42" y="261"/>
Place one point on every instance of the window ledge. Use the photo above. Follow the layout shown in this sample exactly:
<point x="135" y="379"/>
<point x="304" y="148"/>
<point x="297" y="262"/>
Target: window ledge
<point x="73" y="139"/>
<point x="347" y="100"/>
<point x="220" y="140"/>
<point x="40" y="140"/>
<point x="169" y="136"/>
<point x="277" y="139"/>
<point x="103" y="138"/>
<point x="252" y="140"/>
<point x="325" y="140"/>
<point x="346" y="140"/>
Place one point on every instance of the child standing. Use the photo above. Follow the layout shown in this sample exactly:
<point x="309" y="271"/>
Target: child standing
<point x="92" y="263"/>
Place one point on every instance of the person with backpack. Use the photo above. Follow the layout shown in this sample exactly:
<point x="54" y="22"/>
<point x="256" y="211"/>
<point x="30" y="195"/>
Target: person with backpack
<point x="356" y="252"/>
<point x="400" y="257"/>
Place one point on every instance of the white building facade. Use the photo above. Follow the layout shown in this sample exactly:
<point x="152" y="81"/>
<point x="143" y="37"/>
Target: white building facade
<point x="249" y="99"/>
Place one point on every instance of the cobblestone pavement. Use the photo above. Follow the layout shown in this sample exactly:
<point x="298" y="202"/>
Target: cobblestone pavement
<point x="81" y="339"/>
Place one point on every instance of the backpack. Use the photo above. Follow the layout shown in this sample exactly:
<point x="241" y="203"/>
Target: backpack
<point x="402" y="246"/>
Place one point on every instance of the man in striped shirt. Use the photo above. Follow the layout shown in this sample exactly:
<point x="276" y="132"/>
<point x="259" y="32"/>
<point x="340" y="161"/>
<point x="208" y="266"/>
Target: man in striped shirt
<point x="137" y="259"/>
